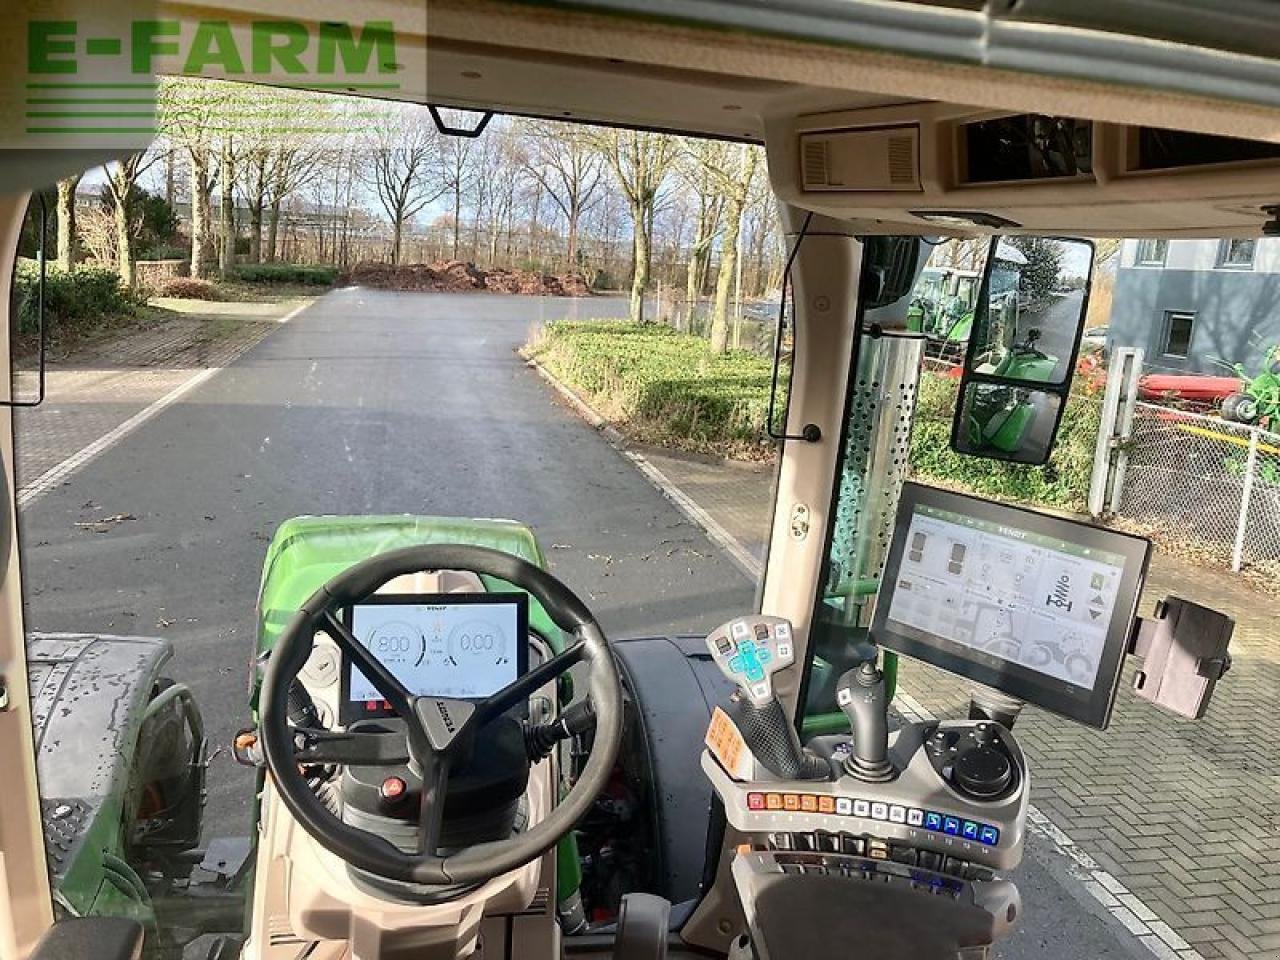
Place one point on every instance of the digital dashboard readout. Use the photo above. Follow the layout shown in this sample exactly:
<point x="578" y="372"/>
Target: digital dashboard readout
<point x="464" y="650"/>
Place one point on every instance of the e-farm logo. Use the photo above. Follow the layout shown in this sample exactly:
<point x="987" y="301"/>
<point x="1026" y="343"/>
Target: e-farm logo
<point x="83" y="81"/>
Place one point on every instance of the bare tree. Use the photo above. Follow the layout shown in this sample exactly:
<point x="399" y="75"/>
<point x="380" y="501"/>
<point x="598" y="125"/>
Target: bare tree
<point x="570" y="168"/>
<point x="188" y="110"/>
<point x="734" y="180"/>
<point x="695" y="163"/>
<point x="405" y="145"/>
<point x="456" y="174"/>
<point x="640" y="162"/>
<point x="122" y="186"/>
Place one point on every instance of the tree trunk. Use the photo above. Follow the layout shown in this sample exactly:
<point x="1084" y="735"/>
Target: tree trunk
<point x="169" y="187"/>
<point x="573" y="241"/>
<point x="201" y="214"/>
<point x="273" y="229"/>
<point x="124" y="243"/>
<point x="397" y="231"/>
<point x="724" y="278"/>
<point x="67" y="222"/>
<point x="227" y="210"/>
<point x="640" y="276"/>
<point x="457" y="218"/>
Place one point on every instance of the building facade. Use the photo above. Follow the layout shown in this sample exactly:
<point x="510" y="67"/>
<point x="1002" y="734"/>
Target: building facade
<point x="1192" y="303"/>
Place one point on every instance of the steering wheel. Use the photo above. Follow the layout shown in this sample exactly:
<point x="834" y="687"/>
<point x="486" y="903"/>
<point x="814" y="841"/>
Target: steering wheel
<point x="438" y="728"/>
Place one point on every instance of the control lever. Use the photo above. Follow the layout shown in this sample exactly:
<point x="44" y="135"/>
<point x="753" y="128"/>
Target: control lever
<point x="749" y="651"/>
<point x="861" y="694"/>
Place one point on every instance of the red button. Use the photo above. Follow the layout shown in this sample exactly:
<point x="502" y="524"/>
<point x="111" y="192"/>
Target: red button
<point x="392" y="788"/>
<point x="755" y="801"/>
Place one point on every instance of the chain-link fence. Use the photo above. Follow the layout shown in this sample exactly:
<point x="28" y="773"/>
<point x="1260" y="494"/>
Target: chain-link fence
<point x="1206" y="483"/>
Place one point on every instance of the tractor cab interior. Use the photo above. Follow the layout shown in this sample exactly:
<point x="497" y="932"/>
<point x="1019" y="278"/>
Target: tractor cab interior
<point x="434" y="717"/>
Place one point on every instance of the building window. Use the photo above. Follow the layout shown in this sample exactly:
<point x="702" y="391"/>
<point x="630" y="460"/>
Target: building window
<point x="1237" y="254"/>
<point x="1151" y="252"/>
<point x="1177" y="333"/>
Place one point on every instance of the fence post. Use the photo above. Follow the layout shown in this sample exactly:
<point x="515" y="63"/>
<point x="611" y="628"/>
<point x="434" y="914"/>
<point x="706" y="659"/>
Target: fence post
<point x="1246" y="495"/>
<point x="1115" y="426"/>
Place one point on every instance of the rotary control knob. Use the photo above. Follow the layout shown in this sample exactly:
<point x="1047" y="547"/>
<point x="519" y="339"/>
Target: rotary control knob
<point x="982" y="772"/>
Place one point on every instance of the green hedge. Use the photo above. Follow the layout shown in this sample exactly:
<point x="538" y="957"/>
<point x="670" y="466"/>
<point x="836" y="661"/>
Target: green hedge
<point x="72" y="299"/>
<point x="663" y="386"/>
<point x="305" y="274"/>
<point x="666" y="387"/>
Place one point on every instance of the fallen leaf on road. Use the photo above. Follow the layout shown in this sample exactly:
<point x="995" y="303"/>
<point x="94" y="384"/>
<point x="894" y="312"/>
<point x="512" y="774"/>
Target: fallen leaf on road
<point x="162" y="623"/>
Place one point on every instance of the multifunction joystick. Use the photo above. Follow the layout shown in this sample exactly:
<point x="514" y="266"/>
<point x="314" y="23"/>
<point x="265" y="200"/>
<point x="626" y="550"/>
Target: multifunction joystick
<point x="749" y="651"/>
<point x="975" y="761"/>
<point x="861" y="694"/>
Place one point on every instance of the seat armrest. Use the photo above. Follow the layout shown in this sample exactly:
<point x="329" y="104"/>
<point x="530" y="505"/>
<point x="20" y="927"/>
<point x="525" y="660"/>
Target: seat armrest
<point x="91" y="938"/>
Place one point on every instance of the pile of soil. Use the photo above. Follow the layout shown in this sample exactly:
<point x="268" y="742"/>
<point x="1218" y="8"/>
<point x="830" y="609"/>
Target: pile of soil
<point x="455" y="276"/>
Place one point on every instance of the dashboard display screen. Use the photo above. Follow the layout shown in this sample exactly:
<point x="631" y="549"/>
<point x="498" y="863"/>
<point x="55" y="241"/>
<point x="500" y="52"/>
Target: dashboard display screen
<point x="1037" y="606"/>
<point x="465" y="646"/>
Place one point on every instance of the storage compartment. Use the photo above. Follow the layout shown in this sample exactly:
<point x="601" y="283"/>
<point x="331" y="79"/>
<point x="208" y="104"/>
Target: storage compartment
<point x="1028" y="146"/>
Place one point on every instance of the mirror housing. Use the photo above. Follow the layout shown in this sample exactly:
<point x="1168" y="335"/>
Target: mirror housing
<point x="1027" y="325"/>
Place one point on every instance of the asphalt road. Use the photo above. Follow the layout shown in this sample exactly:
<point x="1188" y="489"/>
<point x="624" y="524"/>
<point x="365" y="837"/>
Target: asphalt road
<point x="374" y="402"/>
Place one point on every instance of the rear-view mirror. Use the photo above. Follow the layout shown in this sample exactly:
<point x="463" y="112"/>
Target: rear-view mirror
<point x="1027" y="324"/>
<point x="27" y="330"/>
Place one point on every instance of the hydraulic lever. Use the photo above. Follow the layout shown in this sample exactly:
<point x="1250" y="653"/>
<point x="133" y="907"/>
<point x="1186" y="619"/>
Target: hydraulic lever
<point x="861" y="694"/>
<point x="749" y="650"/>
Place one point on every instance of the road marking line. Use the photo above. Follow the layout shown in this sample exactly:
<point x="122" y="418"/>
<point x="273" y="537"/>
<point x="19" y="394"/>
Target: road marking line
<point x="295" y="311"/>
<point x="746" y="561"/>
<point x="57" y="474"/>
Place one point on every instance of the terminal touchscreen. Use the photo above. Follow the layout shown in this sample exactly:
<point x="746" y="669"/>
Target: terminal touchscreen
<point x="458" y="645"/>
<point x="1036" y="606"/>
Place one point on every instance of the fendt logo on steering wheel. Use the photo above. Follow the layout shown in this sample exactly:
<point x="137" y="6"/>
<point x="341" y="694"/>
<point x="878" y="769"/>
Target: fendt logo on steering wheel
<point x="449" y="725"/>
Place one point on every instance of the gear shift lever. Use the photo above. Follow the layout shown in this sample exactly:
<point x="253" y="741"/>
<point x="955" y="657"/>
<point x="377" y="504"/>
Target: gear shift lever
<point x="860" y="693"/>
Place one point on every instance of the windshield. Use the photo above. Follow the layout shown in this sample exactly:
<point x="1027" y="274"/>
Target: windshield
<point x="276" y="352"/>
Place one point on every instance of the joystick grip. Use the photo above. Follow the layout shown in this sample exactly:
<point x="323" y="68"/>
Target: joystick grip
<point x="773" y="741"/>
<point x="861" y="694"/>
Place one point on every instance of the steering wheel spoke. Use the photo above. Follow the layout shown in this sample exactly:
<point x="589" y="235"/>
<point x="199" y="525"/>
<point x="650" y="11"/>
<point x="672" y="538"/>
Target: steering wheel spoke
<point x="435" y="781"/>
<point x="353" y="748"/>
<point x="518" y="691"/>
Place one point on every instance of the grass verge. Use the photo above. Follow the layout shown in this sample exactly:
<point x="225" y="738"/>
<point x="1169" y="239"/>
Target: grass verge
<point x="667" y="388"/>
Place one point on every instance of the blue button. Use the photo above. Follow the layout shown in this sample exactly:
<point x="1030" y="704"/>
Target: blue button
<point x="735" y="664"/>
<point x="951" y="825"/>
<point x="969" y="830"/>
<point x="755" y="674"/>
<point x="765" y="656"/>
<point x="989" y="835"/>
<point x="932" y="821"/>
<point x="747" y="648"/>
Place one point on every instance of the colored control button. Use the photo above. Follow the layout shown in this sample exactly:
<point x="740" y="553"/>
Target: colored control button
<point x="735" y="664"/>
<point x="765" y="656"/>
<point x="969" y="830"/>
<point x="773" y="801"/>
<point x="747" y="648"/>
<point x="762" y="632"/>
<point x="897" y="814"/>
<point x="879" y="811"/>
<point x="809" y="803"/>
<point x="724" y="645"/>
<point x="790" y="801"/>
<point x="861" y="808"/>
<point x="755" y="674"/>
<point x="932" y="821"/>
<point x="392" y="788"/>
<point x="755" y="801"/>
<point x="844" y="806"/>
<point x="826" y="805"/>
<point x="989" y="835"/>
<point x="915" y="817"/>
<point x="951" y="825"/>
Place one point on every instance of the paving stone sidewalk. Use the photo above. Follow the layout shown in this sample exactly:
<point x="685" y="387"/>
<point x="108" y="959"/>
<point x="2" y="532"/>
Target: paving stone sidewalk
<point x="99" y="386"/>
<point x="1185" y="815"/>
